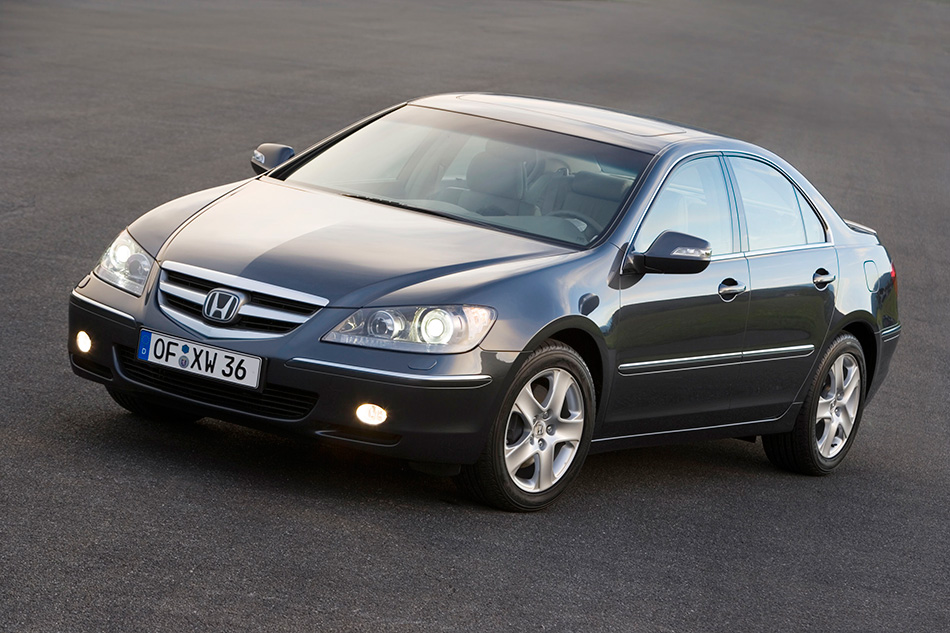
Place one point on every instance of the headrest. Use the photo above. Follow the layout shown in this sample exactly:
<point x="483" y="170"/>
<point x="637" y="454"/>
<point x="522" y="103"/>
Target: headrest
<point x="496" y="175"/>
<point x="601" y="186"/>
<point x="520" y="153"/>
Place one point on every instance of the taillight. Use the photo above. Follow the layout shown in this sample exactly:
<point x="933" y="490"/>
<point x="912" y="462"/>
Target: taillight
<point x="894" y="276"/>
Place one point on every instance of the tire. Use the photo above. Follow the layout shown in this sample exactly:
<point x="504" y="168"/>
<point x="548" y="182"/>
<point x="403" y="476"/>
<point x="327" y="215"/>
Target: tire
<point x="150" y="409"/>
<point x="830" y="416"/>
<point x="541" y="435"/>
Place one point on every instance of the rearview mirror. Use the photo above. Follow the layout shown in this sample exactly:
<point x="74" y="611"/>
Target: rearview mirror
<point x="671" y="253"/>
<point x="270" y="155"/>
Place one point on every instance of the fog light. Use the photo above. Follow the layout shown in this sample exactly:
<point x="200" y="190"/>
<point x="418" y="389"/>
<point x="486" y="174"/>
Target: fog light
<point x="371" y="414"/>
<point x="84" y="343"/>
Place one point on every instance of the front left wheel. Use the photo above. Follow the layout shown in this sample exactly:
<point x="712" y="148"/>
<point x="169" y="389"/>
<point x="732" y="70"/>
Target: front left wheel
<point x="541" y="435"/>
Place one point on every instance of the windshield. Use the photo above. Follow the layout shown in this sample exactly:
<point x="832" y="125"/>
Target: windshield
<point x="507" y="176"/>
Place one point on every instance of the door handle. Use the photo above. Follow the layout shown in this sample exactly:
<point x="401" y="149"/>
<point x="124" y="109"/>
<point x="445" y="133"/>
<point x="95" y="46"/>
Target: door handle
<point x="729" y="289"/>
<point x="822" y="278"/>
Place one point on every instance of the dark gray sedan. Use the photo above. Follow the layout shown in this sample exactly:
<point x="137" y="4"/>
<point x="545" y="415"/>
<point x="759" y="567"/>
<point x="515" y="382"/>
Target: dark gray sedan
<point x="492" y="287"/>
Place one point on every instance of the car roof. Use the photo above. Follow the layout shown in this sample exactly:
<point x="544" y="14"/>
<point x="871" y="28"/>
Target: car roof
<point x="602" y="124"/>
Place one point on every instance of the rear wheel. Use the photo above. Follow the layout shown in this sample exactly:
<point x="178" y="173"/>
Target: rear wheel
<point x="540" y="436"/>
<point x="829" y="418"/>
<point x="149" y="408"/>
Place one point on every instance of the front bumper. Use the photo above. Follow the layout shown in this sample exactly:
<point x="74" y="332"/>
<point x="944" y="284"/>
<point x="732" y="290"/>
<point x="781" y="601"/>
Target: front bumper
<point x="440" y="408"/>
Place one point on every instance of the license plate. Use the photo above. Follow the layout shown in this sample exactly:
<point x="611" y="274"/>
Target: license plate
<point x="211" y="362"/>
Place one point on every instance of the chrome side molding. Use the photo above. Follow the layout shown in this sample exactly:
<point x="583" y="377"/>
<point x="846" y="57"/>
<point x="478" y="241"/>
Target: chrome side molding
<point x="711" y="360"/>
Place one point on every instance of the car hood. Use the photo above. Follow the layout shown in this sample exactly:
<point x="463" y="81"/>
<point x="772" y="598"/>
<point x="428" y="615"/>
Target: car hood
<point x="346" y="250"/>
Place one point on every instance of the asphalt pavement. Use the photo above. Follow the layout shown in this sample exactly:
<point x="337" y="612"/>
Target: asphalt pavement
<point x="111" y="523"/>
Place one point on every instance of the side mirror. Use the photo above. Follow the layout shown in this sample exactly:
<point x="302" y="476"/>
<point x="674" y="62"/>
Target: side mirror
<point x="270" y="155"/>
<point x="671" y="253"/>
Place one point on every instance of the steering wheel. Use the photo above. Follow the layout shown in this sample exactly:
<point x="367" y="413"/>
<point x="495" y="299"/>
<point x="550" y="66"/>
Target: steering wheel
<point x="574" y="215"/>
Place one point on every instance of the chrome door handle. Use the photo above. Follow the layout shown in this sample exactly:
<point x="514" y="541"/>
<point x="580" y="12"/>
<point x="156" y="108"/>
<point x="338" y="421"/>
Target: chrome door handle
<point x="729" y="289"/>
<point x="822" y="278"/>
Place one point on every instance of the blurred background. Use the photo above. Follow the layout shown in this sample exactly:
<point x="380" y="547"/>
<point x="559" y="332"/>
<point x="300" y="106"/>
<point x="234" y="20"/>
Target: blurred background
<point x="109" y="523"/>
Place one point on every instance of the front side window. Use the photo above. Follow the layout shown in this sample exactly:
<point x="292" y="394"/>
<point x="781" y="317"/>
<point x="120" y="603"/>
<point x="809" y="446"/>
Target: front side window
<point x="510" y="177"/>
<point x="694" y="201"/>
<point x="776" y="215"/>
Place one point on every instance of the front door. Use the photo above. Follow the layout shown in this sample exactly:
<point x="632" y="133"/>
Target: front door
<point x="679" y="338"/>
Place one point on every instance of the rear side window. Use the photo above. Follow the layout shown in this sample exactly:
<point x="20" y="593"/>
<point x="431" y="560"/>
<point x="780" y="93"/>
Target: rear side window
<point x="693" y="200"/>
<point x="776" y="215"/>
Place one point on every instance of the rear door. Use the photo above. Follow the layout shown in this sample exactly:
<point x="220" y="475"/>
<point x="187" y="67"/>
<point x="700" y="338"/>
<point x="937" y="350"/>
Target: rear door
<point x="793" y="269"/>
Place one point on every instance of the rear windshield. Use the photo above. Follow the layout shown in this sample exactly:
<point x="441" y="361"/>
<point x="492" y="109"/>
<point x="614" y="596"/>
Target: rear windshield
<point x="511" y="177"/>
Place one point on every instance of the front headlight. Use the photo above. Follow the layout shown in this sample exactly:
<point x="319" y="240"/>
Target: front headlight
<point x="431" y="329"/>
<point x="125" y="265"/>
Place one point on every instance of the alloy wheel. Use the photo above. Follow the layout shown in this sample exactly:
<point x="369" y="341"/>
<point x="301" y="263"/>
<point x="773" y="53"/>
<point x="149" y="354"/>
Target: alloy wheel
<point x="544" y="430"/>
<point x="838" y="402"/>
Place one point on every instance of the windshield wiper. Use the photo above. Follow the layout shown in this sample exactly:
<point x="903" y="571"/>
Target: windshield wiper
<point x="400" y="205"/>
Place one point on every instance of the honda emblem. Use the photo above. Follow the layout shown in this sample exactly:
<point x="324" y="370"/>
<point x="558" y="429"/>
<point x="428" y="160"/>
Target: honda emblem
<point x="221" y="306"/>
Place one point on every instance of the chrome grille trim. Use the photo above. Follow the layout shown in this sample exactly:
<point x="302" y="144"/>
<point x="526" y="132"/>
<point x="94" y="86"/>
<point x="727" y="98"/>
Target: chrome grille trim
<point x="241" y="283"/>
<point x="210" y="331"/>
<point x="192" y="296"/>
<point x="271" y="311"/>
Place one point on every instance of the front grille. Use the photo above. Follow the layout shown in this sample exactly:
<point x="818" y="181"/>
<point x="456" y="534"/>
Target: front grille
<point x="182" y="295"/>
<point x="282" y="403"/>
<point x="268" y="301"/>
<point x="258" y="324"/>
<point x="193" y="309"/>
<point x="187" y="281"/>
<point x="285" y="305"/>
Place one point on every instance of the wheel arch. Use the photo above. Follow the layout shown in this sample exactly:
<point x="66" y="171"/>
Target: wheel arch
<point x="585" y="338"/>
<point x="864" y="332"/>
<point x="582" y="343"/>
